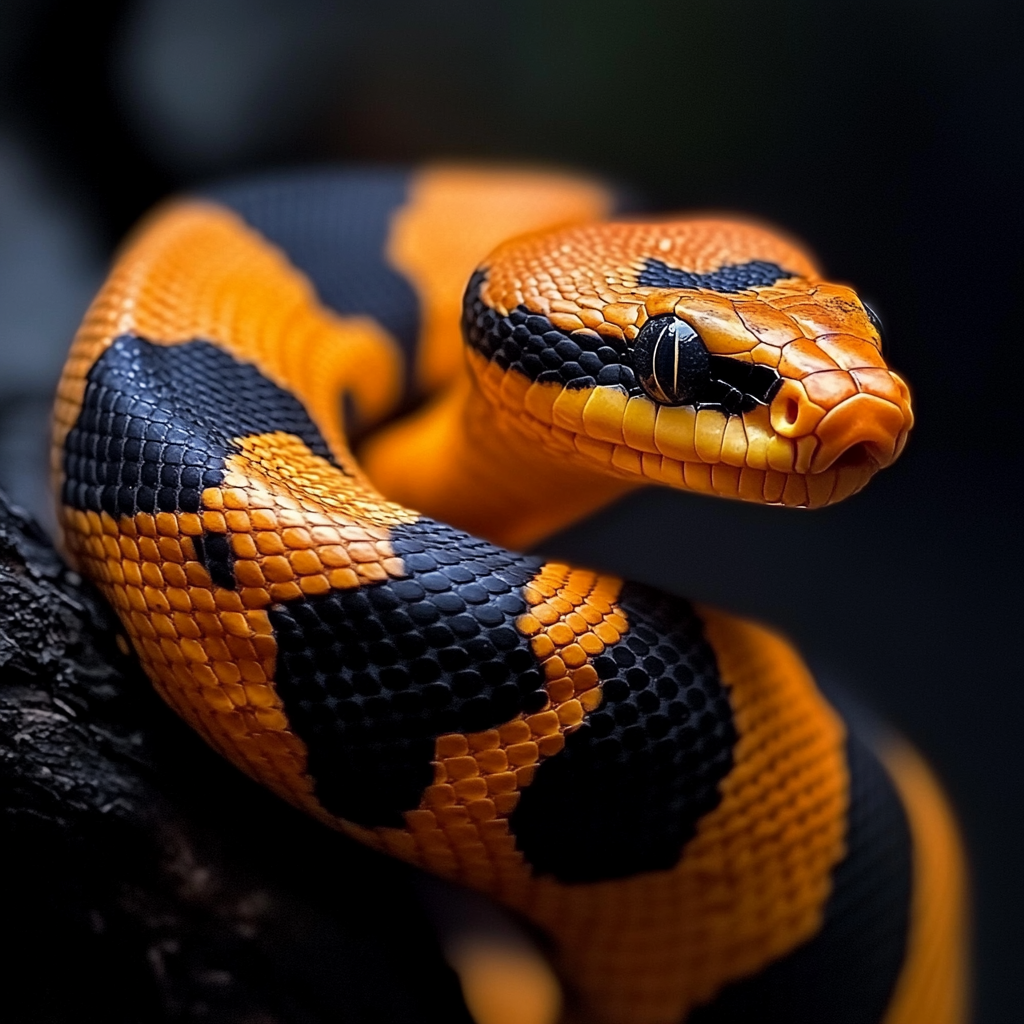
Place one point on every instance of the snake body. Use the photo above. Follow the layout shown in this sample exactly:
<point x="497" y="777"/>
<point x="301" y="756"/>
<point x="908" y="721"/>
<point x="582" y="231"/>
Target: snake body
<point x="660" y="788"/>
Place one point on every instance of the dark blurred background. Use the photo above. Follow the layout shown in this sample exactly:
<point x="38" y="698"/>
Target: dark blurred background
<point x="886" y="134"/>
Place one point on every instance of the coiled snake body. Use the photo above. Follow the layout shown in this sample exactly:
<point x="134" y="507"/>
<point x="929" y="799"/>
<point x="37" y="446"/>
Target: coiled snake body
<point x="660" y="788"/>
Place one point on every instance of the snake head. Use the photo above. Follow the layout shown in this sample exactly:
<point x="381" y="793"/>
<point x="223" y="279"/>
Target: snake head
<point x="705" y="354"/>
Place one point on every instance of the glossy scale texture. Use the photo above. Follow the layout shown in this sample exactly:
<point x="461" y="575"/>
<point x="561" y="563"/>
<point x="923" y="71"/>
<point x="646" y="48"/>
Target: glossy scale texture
<point x="661" y="789"/>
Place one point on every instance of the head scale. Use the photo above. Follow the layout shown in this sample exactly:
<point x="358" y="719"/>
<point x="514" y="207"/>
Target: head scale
<point x="704" y="354"/>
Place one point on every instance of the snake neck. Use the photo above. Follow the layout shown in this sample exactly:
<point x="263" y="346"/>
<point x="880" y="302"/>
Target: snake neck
<point x="461" y="461"/>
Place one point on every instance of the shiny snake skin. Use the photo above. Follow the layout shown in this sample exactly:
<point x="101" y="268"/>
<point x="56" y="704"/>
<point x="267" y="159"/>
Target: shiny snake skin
<point x="660" y="789"/>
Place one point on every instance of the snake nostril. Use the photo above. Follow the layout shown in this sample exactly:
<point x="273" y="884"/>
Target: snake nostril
<point x="790" y="411"/>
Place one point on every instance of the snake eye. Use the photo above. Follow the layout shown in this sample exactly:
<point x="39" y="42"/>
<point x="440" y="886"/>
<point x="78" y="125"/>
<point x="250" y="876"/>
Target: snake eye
<point x="876" y="321"/>
<point x="671" y="360"/>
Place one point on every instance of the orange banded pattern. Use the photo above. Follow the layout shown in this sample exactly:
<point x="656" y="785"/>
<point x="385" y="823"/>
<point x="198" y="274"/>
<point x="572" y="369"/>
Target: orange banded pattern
<point x="436" y="695"/>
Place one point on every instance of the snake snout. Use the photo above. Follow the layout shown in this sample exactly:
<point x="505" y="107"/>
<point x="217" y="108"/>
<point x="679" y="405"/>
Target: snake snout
<point x="857" y="417"/>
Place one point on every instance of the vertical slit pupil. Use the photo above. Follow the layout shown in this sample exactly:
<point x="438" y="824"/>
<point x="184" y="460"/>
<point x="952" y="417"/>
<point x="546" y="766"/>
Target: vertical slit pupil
<point x="671" y="360"/>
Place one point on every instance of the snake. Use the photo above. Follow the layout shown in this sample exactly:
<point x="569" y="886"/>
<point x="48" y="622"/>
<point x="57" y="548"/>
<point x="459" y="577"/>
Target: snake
<point x="303" y="434"/>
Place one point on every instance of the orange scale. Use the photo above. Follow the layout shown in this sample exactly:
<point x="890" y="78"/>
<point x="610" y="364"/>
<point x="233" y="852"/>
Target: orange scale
<point x="543" y="724"/>
<point x="451" y="818"/>
<point x="271" y="718"/>
<point x="334" y="555"/>
<point x="487" y="740"/>
<point x="362" y="551"/>
<point x="223" y="600"/>
<point x="297" y="537"/>
<point x="216" y="698"/>
<point x="439" y="795"/>
<point x="205" y="677"/>
<point x="516" y="731"/>
<point x="166" y="524"/>
<point x="560" y="689"/>
<point x="189" y="626"/>
<point x="149" y="650"/>
<point x="505" y="803"/>
<point x="523" y="754"/>
<point x="492" y="761"/>
<point x="195" y="573"/>
<point x="145" y="525"/>
<point x="561" y="634"/>
<point x="171" y="652"/>
<point x="142" y="624"/>
<point x="505" y="782"/>
<point x="276" y="569"/>
<point x="261" y="695"/>
<point x="235" y="498"/>
<point x="353" y="533"/>
<point x="325" y="534"/>
<point x="528" y="625"/>
<point x="461" y="767"/>
<point x="618" y="622"/>
<point x="393" y="567"/>
<point x="545" y="614"/>
<point x="574" y="656"/>
<point x="163" y="625"/>
<point x="266" y="645"/>
<point x="542" y="646"/>
<point x="152" y="574"/>
<point x="584" y="678"/>
<point x="263" y="519"/>
<point x="214" y="522"/>
<point x="549" y="746"/>
<point x="554" y="668"/>
<point x="570" y="713"/>
<point x="451" y="745"/>
<point x="193" y="650"/>
<point x="468" y="790"/>
<point x="170" y="550"/>
<point x="343" y="579"/>
<point x="312" y="585"/>
<point x="238" y="520"/>
<point x="189" y="524"/>
<point x="419" y="821"/>
<point x="372" y="571"/>
<point x="149" y="550"/>
<point x="225" y="670"/>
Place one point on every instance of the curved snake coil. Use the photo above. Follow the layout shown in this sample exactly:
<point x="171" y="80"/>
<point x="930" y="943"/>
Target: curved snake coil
<point x="661" y="789"/>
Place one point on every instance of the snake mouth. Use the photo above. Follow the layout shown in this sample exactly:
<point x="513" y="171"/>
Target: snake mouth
<point x="859" y="456"/>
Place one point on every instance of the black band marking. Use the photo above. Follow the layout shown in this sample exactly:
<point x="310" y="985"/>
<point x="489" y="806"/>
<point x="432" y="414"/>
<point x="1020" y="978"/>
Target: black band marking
<point x="371" y="677"/>
<point x="847" y="972"/>
<point x="734" y="277"/>
<point x="626" y="793"/>
<point x="213" y="550"/>
<point x="334" y="226"/>
<point x="528" y="343"/>
<point x="158" y="421"/>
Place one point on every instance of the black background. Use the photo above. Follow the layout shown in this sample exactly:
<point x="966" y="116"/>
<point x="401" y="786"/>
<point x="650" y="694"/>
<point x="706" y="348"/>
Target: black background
<point x="886" y="134"/>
